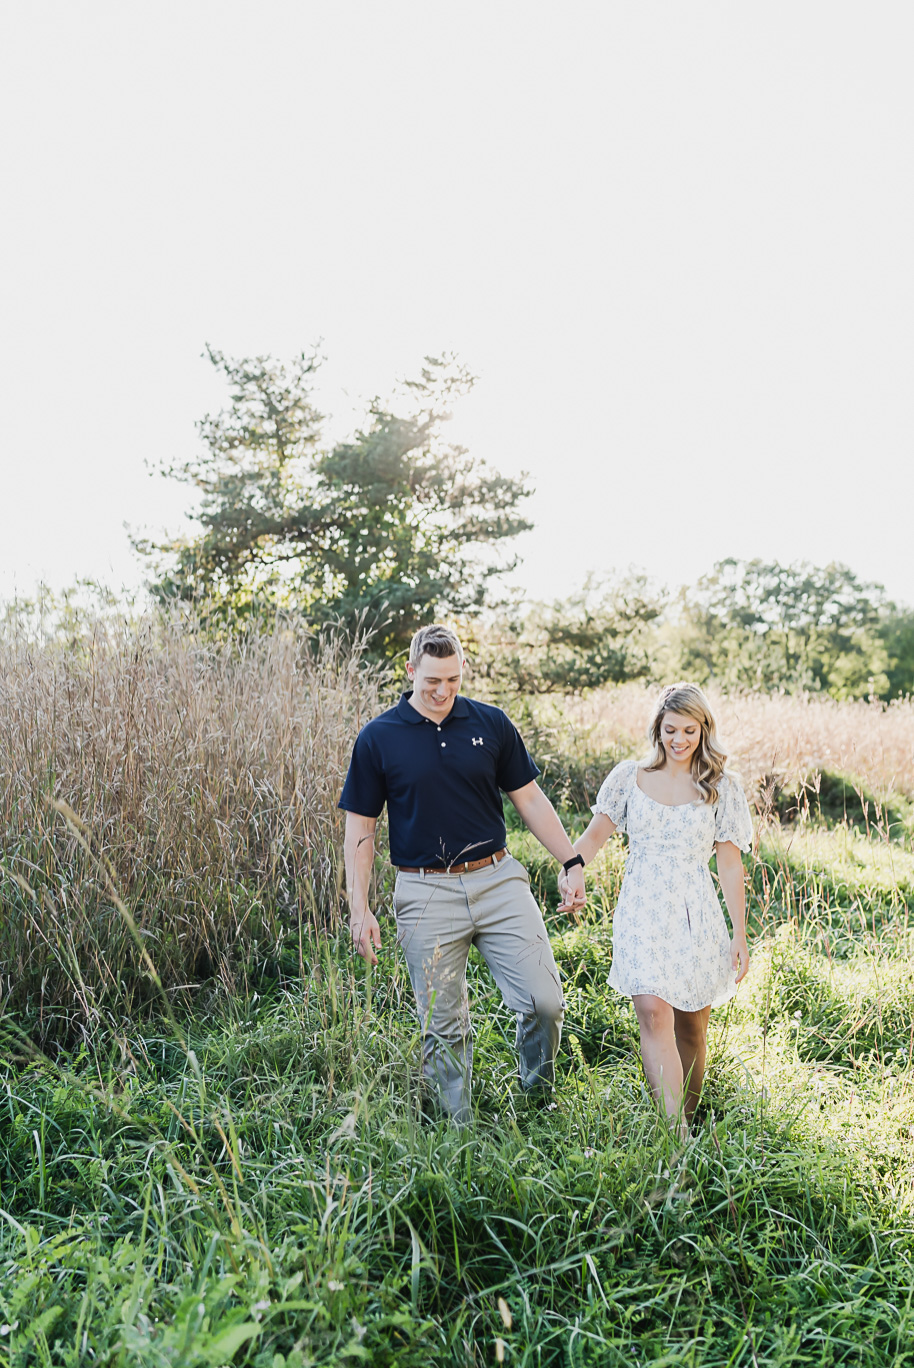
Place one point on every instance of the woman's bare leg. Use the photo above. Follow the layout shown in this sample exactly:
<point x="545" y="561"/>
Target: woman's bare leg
<point x="659" y="1053"/>
<point x="692" y="1043"/>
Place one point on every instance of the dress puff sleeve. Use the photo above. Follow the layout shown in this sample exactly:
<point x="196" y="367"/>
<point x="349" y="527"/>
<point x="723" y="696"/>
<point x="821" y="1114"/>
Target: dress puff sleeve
<point x="733" y="821"/>
<point x="612" y="800"/>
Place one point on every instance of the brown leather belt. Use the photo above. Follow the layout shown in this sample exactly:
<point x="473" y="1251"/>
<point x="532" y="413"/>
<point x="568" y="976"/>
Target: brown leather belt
<point x="466" y="868"/>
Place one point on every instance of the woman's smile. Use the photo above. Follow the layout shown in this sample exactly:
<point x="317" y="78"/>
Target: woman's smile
<point x="680" y="735"/>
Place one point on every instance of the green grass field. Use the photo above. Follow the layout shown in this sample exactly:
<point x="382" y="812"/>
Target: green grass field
<point x="266" y="1191"/>
<point x="247" y="1178"/>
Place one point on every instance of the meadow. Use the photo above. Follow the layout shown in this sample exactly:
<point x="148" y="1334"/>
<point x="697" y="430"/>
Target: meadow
<point x="211" y="1148"/>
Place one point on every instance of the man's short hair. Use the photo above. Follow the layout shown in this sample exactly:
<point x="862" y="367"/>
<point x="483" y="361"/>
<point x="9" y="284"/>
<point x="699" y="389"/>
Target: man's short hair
<point x="434" y="640"/>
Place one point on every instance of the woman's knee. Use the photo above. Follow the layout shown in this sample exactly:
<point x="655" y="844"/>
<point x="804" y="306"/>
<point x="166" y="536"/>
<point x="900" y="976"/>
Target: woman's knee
<point x="655" y="1017"/>
<point x="691" y="1028"/>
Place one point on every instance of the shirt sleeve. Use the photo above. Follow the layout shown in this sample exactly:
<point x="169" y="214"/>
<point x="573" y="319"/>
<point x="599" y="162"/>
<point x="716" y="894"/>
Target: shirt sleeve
<point x="733" y="820"/>
<point x="365" y="789"/>
<point x="515" y="764"/>
<point x="612" y="800"/>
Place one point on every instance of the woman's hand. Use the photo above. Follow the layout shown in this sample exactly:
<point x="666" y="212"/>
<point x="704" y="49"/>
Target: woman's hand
<point x="571" y="887"/>
<point x="739" y="957"/>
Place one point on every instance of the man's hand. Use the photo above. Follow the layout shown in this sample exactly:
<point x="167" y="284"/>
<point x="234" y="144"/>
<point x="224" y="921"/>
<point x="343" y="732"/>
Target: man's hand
<point x="571" y="887"/>
<point x="366" y="935"/>
<point x="543" y="820"/>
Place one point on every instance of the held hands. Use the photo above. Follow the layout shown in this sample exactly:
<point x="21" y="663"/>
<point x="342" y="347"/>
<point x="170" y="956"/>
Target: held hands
<point x="366" y="935"/>
<point x="571" y="887"/>
<point x="739" y="957"/>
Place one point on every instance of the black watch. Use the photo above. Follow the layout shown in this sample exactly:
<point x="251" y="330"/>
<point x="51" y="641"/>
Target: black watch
<point x="575" y="860"/>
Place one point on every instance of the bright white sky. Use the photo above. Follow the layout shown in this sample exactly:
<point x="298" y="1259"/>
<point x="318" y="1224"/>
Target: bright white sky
<point x="674" y="241"/>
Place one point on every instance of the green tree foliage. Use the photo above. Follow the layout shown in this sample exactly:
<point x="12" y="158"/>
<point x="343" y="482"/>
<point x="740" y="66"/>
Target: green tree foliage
<point x="763" y="625"/>
<point x="898" y="638"/>
<point x="600" y="635"/>
<point x="392" y="528"/>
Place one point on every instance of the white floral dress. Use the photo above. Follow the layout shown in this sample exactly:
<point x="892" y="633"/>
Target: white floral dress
<point x="670" y="938"/>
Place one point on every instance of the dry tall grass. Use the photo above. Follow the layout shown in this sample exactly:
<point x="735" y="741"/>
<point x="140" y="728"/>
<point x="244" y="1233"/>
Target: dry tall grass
<point x="207" y="777"/>
<point x="776" y="734"/>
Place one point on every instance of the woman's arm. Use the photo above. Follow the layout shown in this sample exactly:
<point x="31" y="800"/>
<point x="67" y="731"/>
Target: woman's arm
<point x="587" y="845"/>
<point x="595" y="837"/>
<point x="733" y="882"/>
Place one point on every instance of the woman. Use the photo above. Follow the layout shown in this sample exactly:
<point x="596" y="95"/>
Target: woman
<point x="671" y="952"/>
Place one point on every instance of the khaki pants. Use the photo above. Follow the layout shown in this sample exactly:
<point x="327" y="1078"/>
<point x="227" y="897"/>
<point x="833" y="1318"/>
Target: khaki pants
<point x="439" y="916"/>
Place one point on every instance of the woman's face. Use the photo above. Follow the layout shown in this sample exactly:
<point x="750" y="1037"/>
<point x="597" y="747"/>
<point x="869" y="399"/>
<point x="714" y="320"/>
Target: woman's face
<point x="680" y="735"/>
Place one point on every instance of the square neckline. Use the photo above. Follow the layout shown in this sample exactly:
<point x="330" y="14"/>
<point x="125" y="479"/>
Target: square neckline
<point x="657" y="802"/>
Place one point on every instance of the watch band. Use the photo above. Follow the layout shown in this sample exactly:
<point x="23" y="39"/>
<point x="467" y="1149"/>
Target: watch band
<point x="575" y="860"/>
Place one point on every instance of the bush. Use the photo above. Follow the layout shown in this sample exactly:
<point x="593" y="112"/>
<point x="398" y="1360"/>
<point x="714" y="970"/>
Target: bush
<point x="834" y="798"/>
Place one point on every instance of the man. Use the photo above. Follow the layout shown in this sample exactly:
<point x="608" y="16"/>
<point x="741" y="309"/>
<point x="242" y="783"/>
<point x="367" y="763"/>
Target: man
<point x="440" y="761"/>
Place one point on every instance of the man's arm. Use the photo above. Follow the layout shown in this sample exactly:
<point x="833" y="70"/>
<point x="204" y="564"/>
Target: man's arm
<point x="541" y="817"/>
<point x="358" y="850"/>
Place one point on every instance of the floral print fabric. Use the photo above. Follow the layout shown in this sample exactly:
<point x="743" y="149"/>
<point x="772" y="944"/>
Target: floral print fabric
<point x="670" y="938"/>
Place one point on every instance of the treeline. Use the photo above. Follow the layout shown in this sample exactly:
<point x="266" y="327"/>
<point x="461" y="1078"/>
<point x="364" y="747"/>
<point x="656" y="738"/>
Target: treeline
<point x="396" y="526"/>
<point x="795" y="627"/>
<point x="745" y="625"/>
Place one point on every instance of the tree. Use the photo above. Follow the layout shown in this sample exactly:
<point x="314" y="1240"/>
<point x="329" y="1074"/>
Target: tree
<point x="761" y="624"/>
<point x="898" y="637"/>
<point x="599" y="635"/>
<point x="394" y="527"/>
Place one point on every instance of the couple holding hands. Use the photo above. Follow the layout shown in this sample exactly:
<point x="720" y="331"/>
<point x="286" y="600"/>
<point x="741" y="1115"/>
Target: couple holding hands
<point x="441" y="761"/>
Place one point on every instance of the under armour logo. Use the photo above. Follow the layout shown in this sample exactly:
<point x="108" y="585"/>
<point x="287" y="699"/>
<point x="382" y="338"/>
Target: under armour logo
<point x="477" y="740"/>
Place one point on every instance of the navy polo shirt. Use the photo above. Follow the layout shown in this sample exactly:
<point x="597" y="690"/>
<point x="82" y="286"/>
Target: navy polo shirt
<point x="441" y="782"/>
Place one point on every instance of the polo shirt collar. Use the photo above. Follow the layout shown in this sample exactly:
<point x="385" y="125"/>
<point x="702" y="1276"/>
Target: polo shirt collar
<point x="409" y="714"/>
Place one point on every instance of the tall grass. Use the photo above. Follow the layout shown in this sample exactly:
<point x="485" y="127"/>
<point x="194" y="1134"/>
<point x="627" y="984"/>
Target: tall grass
<point x="273" y="1196"/>
<point x="788" y="736"/>
<point x="206" y="776"/>
<point x="258" y="1184"/>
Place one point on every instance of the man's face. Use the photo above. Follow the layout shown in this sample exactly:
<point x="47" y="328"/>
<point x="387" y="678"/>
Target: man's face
<point x="436" y="683"/>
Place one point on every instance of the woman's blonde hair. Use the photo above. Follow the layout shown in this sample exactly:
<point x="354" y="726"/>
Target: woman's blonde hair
<point x="708" y="758"/>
